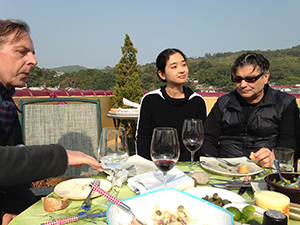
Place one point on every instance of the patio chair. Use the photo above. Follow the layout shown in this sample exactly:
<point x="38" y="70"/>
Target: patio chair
<point x="76" y="125"/>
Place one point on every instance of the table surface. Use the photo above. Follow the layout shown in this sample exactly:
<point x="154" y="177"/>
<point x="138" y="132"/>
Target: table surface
<point x="36" y="214"/>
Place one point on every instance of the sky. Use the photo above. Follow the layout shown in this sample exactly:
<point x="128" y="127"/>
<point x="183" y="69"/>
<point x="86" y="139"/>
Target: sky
<point x="90" y="33"/>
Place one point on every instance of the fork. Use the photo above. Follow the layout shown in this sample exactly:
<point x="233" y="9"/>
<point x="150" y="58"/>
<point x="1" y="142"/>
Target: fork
<point x="114" y="200"/>
<point x="223" y="161"/>
<point x="87" y="200"/>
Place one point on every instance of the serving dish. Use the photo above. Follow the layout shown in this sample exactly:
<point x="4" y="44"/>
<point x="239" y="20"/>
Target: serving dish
<point x="78" y="189"/>
<point x="201" y="192"/>
<point x="143" y="205"/>
<point x="293" y="194"/>
<point x="213" y="165"/>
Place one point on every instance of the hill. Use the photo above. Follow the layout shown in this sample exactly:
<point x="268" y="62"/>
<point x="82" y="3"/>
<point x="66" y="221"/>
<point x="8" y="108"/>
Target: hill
<point x="69" y="69"/>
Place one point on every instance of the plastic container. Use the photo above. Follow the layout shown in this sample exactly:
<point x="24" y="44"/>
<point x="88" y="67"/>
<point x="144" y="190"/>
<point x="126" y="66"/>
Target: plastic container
<point x="272" y="200"/>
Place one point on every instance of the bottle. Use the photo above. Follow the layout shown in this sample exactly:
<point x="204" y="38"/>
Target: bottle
<point x="274" y="217"/>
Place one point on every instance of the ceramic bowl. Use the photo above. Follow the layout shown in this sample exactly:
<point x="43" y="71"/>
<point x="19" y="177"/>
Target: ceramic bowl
<point x="169" y="199"/>
<point x="293" y="194"/>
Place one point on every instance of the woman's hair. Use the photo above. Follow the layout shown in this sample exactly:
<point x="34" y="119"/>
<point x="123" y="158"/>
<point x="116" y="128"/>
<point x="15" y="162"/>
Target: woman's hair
<point x="251" y="59"/>
<point x="163" y="57"/>
<point x="9" y="26"/>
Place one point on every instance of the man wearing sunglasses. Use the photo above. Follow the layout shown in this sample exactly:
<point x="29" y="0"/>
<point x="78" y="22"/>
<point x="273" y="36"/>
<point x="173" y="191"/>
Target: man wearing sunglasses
<point x="252" y="118"/>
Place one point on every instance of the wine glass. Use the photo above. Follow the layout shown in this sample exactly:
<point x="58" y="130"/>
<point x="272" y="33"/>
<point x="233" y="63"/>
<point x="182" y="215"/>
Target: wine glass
<point x="164" y="149"/>
<point x="192" y="137"/>
<point x="113" y="149"/>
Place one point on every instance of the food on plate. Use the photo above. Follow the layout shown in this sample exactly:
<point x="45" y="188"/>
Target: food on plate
<point x="215" y="199"/>
<point x="222" y="166"/>
<point x="247" y="215"/>
<point x="54" y="204"/>
<point x="113" y="109"/>
<point x="201" y="177"/>
<point x="243" y="169"/>
<point x="162" y="217"/>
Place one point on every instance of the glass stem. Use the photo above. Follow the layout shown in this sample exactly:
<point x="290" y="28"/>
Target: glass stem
<point x="165" y="179"/>
<point x="192" y="162"/>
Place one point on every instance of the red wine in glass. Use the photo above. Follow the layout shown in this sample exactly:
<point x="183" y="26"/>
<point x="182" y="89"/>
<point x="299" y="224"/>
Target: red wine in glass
<point x="165" y="164"/>
<point x="164" y="149"/>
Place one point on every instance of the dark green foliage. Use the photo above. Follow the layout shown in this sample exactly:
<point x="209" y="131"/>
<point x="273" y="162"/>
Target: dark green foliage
<point x="128" y="84"/>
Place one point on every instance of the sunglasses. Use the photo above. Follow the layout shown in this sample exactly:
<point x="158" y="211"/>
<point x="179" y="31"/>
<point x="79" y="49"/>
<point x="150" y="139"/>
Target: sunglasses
<point x="238" y="79"/>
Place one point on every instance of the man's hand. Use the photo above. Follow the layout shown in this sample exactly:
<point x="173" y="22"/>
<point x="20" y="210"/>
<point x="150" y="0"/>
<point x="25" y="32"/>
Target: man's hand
<point x="77" y="158"/>
<point x="7" y="217"/>
<point x="265" y="157"/>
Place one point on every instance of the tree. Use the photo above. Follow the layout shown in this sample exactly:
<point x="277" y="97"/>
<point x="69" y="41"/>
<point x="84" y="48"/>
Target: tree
<point x="128" y="84"/>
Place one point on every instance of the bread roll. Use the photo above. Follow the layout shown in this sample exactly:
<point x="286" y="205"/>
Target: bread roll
<point x="243" y="169"/>
<point x="54" y="204"/>
<point x="252" y="156"/>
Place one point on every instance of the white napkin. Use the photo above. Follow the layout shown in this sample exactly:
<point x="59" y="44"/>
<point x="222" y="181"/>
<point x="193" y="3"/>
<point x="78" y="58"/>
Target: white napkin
<point x="130" y="103"/>
<point x="121" y="177"/>
<point x="153" y="180"/>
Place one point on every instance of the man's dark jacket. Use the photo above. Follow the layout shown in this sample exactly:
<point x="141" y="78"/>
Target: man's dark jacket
<point x="238" y="135"/>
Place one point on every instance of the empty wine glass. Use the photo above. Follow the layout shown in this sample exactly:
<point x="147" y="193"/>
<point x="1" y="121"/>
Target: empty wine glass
<point x="164" y="149"/>
<point x="113" y="149"/>
<point x="192" y="137"/>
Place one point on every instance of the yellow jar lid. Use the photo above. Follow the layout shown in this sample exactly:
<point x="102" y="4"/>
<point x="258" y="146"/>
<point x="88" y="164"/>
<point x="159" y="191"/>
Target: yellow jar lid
<point x="271" y="198"/>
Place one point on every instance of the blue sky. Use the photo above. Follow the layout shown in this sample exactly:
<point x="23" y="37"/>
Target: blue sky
<point x="90" y="33"/>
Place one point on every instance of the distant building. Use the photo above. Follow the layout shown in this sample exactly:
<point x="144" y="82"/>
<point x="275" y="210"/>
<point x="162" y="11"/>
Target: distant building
<point x="295" y="89"/>
<point x="209" y="89"/>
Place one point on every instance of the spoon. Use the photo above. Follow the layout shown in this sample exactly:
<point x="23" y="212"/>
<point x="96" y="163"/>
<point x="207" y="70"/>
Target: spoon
<point x="278" y="170"/>
<point x="295" y="185"/>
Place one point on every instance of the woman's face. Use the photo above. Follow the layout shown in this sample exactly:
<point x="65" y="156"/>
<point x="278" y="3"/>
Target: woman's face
<point x="176" y="70"/>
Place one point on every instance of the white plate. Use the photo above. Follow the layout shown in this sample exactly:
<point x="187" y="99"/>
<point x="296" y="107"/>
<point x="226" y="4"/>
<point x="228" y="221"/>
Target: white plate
<point x="143" y="205"/>
<point x="133" y="114"/>
<point x="201" y="192"/>
<point x="140" y="165"/>
<point x="79" y="188"/>
<point x="258" y="210"/>
<point x="231" y="171"/>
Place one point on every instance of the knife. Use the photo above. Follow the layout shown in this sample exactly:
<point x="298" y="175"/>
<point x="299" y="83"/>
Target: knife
<point x="243" y="189"/>
<point x="75" y="218"/>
